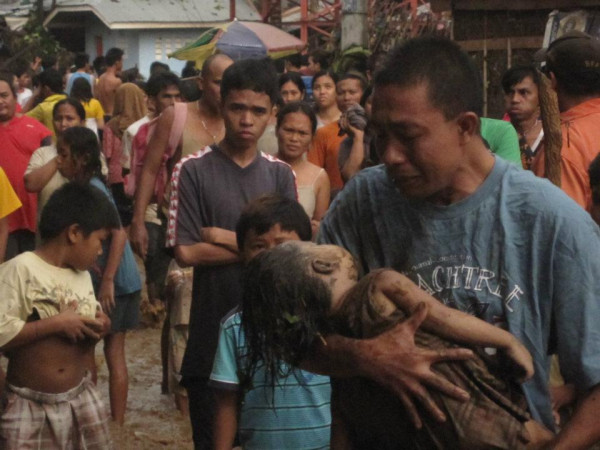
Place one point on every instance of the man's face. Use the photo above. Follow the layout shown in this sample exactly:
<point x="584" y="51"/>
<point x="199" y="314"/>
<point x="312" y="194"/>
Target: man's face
<point x="211" y="83"/>
<point x="256" y="244"/>
<point x="246" y="114"/>
<point x="522" y="101"/>
<point x="8" y="102"/>
<point x="165" y="98"/>
<point x="421" y="149"/>
<point x="348" y="92"/>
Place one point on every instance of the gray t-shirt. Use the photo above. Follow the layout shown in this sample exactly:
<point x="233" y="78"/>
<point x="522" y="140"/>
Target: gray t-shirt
<point x="210" y="190"/>
<point x="517" y="253"/>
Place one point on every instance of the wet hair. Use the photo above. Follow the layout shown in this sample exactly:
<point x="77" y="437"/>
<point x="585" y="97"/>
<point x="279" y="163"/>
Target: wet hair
<point x="82" y="90"/>
<point x="326" y="73"/>
<point x="112" y="56"/>
<point x="77" y="203"/>
<point x="257" y="75"/>
<point x="84" y="147"/>
<point x="74" y="102"/>
<point x="160" y="81"/>
<point x="9" y="79"/>
<point x="52" y="79"/>
<point x="301" y="107"/>
<point x="295" y="78"/>
<point x="158" y="67"/>
<point x="516" y="74"/>
<point x="284" y="311"/>
<point x="353" y="75"/>
<point x="452" y="80"/>
<point x="269" y="210"/>
<point x="81" y="60"/>
<point x="321" y="57"/>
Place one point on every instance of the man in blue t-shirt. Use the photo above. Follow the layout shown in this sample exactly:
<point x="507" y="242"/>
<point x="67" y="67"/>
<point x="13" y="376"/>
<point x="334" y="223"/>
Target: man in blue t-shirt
<point x="474" y="231"/>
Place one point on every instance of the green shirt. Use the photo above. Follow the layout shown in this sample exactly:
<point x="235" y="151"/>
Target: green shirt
<point x="502" y="139"/>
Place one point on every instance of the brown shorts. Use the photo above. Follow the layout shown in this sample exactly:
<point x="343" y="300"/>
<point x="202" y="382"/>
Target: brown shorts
<point x="76" y="419"/>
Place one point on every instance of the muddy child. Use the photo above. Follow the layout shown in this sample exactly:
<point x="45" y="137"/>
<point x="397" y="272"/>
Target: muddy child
<point x="50" y="323"/>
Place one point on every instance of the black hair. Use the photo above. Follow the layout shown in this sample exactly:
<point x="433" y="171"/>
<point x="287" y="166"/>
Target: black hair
<point x="112" y="56"/>
<point x="52" y="79"/>
<point x="9" y="79"/>
<point x="516" y="74"/>
<point x="453" y="81"/>
<point x="284" y="311"/>
<point x="189" y="70"/>
<point x="353" y="75"/>
<point x="158" y="67"/>
<point x="99" y="64"/>
<point x="48" y="62"/>
<point x="301" y="107"/>
<point x="321" y="57"/>
<point x="83" y="145"/>
<point x="295" y="60"/>
<point x="20" y="67"/>
<point x="326" y="73"/>
<point x="160" y="81"/>
<point x="81" y="60"/>
<point x="295" y="78"/>
<point x="77" y="203"/>
<point x="82" y="89"/>
<point x="257" y="75"/>
<point x="266" y="211"/>
<point x="366" y="94"/>
<point x="74" y="102"/>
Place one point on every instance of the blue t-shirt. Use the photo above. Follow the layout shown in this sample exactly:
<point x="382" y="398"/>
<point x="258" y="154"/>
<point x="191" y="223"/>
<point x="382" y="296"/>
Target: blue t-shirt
<point x="73" y="77"/>
<point x="517" y="253"/>
<point x="127" y="278"/>
<point x="293" y="415"/>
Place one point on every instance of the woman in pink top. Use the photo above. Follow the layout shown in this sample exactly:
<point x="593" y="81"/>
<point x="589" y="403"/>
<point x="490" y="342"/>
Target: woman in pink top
<point x="129" y="107"/>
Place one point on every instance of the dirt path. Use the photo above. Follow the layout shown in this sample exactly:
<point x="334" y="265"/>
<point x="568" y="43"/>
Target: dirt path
<point x="151" y="422"/>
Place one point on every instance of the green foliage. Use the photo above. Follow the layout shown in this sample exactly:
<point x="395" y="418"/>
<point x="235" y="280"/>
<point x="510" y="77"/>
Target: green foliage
<point x="36" y="41"/>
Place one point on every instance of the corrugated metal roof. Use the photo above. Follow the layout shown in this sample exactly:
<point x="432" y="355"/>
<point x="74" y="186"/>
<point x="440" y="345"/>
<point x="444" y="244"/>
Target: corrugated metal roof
<point x="123" y="14"/>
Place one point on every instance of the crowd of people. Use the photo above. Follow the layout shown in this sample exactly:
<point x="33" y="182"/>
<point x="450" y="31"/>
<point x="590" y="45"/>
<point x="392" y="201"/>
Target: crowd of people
<point x="448" y="296"/>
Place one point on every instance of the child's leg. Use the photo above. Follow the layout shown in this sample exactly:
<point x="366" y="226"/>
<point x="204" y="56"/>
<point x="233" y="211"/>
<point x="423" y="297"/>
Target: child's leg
<point x="118" y="378"/>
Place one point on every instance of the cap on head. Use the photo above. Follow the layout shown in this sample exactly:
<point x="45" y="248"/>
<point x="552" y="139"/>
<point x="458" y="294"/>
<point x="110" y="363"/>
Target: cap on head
<point x="573" y="54"/>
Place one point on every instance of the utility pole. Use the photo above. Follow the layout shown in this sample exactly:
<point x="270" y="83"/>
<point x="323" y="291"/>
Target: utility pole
<point x="354" y="23"/>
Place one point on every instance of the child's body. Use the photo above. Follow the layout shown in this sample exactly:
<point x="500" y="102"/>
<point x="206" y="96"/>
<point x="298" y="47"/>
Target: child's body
<point x="50" y="322"/>
<point x="295" y="413"/>
<point x="364" y="414"/>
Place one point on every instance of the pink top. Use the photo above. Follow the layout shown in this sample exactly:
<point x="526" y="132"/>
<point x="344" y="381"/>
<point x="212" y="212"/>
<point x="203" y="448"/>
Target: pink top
<point x="113" y="151"/>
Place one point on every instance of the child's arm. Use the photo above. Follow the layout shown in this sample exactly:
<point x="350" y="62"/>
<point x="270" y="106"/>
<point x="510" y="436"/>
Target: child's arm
<point x="106" y="294"/>
<point x="451" y="323"/>
<point x="225" y="425"/>
<point x="67" y="324"/>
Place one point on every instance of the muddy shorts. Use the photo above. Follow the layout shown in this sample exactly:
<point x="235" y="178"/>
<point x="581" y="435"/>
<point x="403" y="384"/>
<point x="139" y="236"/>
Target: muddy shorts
<point x="76" y="419"/>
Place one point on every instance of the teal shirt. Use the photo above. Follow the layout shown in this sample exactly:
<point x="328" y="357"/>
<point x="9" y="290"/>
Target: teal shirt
<point x="502" y="138"/>
<point x="293" y="415"/>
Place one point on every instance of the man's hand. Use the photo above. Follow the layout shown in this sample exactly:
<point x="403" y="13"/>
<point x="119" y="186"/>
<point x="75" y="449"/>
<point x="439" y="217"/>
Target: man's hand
<point x="138" y="235"/>
<point x="76" y="328"/>
<point x="393" y="360"/>
<point x="106" y="295"/>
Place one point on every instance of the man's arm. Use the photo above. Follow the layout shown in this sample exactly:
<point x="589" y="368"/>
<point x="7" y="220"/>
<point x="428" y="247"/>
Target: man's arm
<point x="356" y="157"/>
<point x="145" y="188"/>
<point x="204" y="254"/>
<point x="393" y="360"/>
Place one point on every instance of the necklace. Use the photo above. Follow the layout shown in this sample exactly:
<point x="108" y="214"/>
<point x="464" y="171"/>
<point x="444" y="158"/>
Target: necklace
<point x="208" y="131"/>
<point x="525" y="133"/>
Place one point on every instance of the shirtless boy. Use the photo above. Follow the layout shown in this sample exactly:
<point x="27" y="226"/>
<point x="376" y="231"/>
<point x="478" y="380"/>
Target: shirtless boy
<point x="50" y="322"/>
<point x="299" y="292"/>
<point x="109" y="81"/>
<point x="203" y="126"/>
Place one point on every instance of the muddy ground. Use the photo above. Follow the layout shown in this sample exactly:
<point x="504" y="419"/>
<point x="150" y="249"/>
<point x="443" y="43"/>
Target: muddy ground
<point x="151" y="422"/>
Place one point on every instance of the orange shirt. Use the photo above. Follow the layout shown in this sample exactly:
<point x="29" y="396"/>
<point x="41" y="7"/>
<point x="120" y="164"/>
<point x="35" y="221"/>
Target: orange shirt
<point x="324" y="152"/>
<point x="580" y="128"/>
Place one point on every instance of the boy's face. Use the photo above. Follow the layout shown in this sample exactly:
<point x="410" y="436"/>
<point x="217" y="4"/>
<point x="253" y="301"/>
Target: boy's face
<point x="255" y="244"/>
<point x="246" y="114"/>
<point x="86" y="249"/>
<point x="67" y="166"/>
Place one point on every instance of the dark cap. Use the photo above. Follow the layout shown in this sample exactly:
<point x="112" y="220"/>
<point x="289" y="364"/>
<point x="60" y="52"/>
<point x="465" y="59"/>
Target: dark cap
<point x="574" y="53"/>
